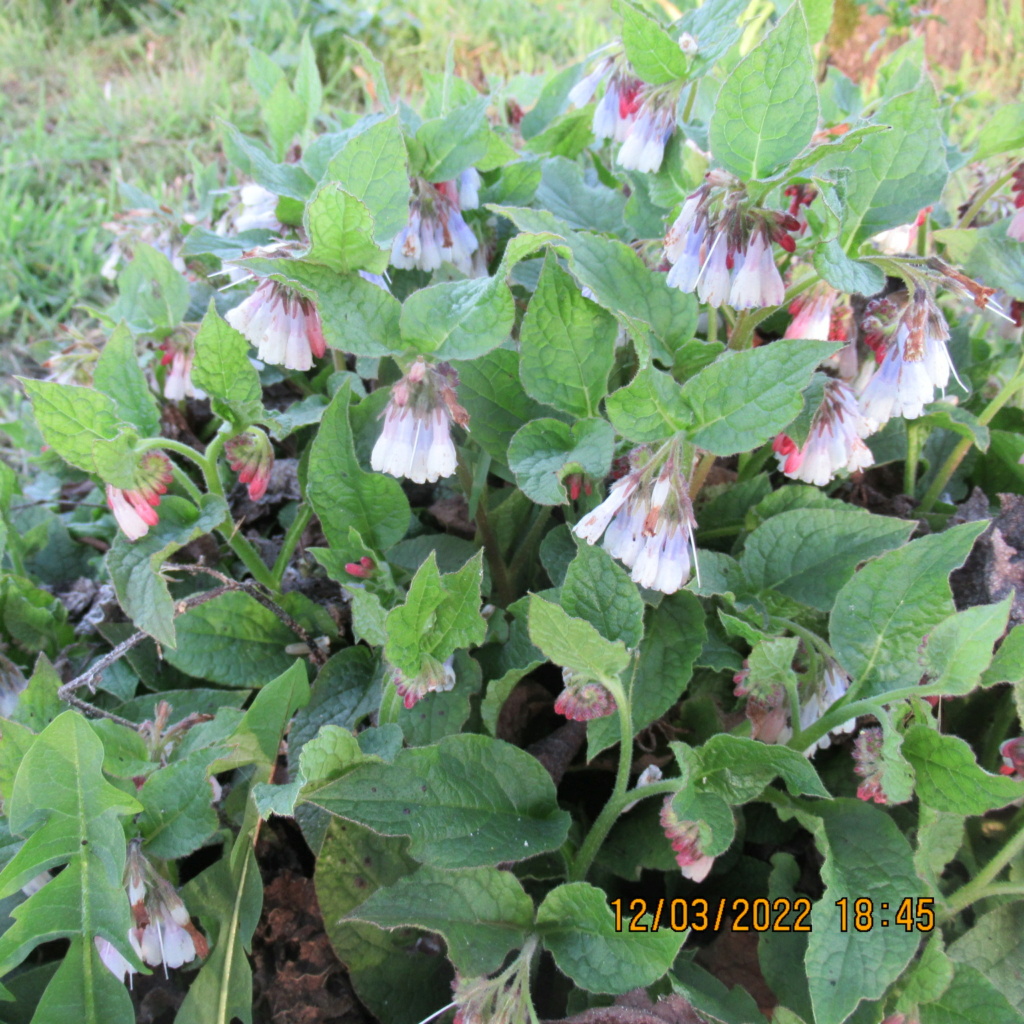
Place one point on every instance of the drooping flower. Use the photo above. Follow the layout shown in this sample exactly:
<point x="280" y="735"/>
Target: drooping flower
<point x="722" y="248"/>
<point x="257" y="208"/>
<point x="416" y="441"/>
<point x="647" y="522"/>
<point x="583" y="91"/>
<point x="834" y="441"/>
<point x="833" y="685"/>
<point x="135" y="509"/>
<point x="812" y="314"/>
<point x="283" y="325"/>
<point x="114" y="962"/>
<point x="1012" y="753"/>
<point x="163" y="928"/>
<point x="1015" y="229"/>
<point x="583" y="698"/>
<point x="915" y="363"/>
<point x="646" y="138"/>
<point x="868" y="764"/>
<point x="437" y="232"/>
<point x="686" y="841"/>
<point x="617" y="109"/>
<point x="251" y="456"/>
<point x="434" y="677"/>
<point x="766" y="708"/>
<point x="178" y="354"/>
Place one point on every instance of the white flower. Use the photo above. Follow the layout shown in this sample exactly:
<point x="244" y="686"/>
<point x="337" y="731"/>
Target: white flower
<point x="812" y="314"/>
<point x="437" y="232"/>
<point x="583" y="91"/>
<point x="257" y="209"/>
<point x="1015" y="230"/>
<point x="644" y="148"/>
<point x="756" y="280"/>
<point x="713" y="281"/>
<point x="833" y="686"/>
<point x="118" y="966"/>
<point x="283" y="325"/>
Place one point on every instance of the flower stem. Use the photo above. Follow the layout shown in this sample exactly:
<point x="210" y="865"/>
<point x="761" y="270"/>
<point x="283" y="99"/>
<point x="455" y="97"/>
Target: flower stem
<point x="983" y="197"/>
<point x="291" y="539"/>
<point x="742" y="336"/>
<point x="525" y="554"/>
<point x="956" y="456"/>
<point x="707" y="460"/>
<point x="492" y="550"/>
<point x="983" y="884"/>
<point x="613" y="808"/>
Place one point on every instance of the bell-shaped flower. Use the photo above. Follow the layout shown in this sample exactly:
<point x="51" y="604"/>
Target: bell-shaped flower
<point x="833" y="685"/>
<point x="437" y="232"/>
<point x="869" y="765"/>
<point x="834" y="441"/>
<point x="685" y="837"/>
<point x="283" y="325"/>
<point x="178" y="355"/>
<point x="434" y="677"/>
<point x="1012" y="753"/>
<point x="644" y="146"/>
<point x="251" y="456"/>
<point x="583" y="698"/>
<point x="812" y="314"/>
<point x="114" y="962"/>
<point x="416" y="441"/>
<point x="135" y="508"/>
<point x="257" y="208"/>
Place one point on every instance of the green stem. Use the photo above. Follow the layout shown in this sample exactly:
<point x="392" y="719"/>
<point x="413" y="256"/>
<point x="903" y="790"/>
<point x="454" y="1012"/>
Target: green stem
<point x="492" y="550"/>
<point x="742" y="336"/>
<point x="833" y="717"/>
<point x="700" y="474"/>
<point x="915" y="443"/>
<point x="983" y="197"/>
<point x="526" y="548"/>
<point x="185" y="482"/>
<point x="981" y="886"/>
<point x="956" y="456"/>
<point x="690" y="100"/>
<point x="291" y="539"/>
<point x="754" y="462"/>
<point x="172" y="446"/>
<point x="613" y="808"/>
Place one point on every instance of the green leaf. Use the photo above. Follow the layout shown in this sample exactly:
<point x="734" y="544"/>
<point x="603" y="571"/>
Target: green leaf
<point x="961" y="421"/>
<point x="566" y="194"/>
<point x="885" y="611"/>
<point x="578" y="928"/>
<point x="573" y="643"/>
<point x="738" y="769"/>
<point x="819" y="18"/>
<point x="808" y="554"/>
<point x="307" y="84"/>
<point x="995" y="947"/>
<point x="345" y="495"/>
<point x="649" y="408"/>
<point x="232" y="640"/>
<point x="397" y="979"/>
<point x="152" y="295"/>
<point x="866" y="856"/>
<point x="72" y="419"/>
<point x="970" y="999"/>
<point x="960" y="648"/>
<point x="545" y="451"/>
<point x="119" y="376"/>
<point x="767" y="109"/>
<point x="85" y="989"/>
<point x="676" y="634"/>
<point x="927" y="979"/>
<point x="482" y="913"/>
<point x="597" y="589"/>
<point x="844" y="273"/>
<point x="372" y="168"/>
<point x="566" y="344"/>
<point x="712" y="815"/>
<point x="341" y="231"/>
<point x="440" y="615"/>
<point x="455" y="142"/>
<point x="948" y="777"/>
<point x="458" y="319"/>
<point x="745" y="398"/>
<point x="653" y="54"/>
<point x="284" y="115"/>
<point x="135" y="566"/>
<point x="1000" y="131"/>
<point x="69" y="812"/>
<point x="469" y="801"/>
<point x="251" y="158"/>
<point x="987" y="255"/>
<point x="38" y="704"/>
<point x="490" y="390"/>
<point x="222" y="369"/>
<point x="892" y="175"/>
<point x="178" y="815"/>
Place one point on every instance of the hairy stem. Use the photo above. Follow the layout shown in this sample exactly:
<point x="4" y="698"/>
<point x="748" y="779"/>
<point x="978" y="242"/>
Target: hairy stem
<point x="291" y="539"/>
<point x="983" y="884"/>
<point x="492" y="550"/>
<point x="983" y="197"/>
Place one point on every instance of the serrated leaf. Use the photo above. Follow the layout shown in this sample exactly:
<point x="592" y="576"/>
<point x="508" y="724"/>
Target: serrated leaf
<point x="578" y="928"/>
<point x="458" y="319"/>
<point x="566" y="345"/>
<point x="72" y="419"/>
<point x="883" y="613"/>
<point x="341" y="232"/>
<point x="745" y="398"/>
<point x="866" y="856"/>
<point x="653" y="54"/>
<point x="949" y="778"/>
<point x="675" y="635"/>
<point x="134" y="566"/>
<point x="482" y="913"/>
<point x="573" y="643"/>
<point x="345" y="495"/>
<point x="222" y="369"/>
<point x="119" y="376"/>
<point x="808" y="554"/>
<point x="545" y="451"/>
<point x="767" y="109"/>
<point x="477" y="801"/>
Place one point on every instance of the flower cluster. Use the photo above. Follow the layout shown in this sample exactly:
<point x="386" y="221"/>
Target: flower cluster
<point x="647" y="522"/>
<point x="435" y="677"/>
<point x="135" y="509"/>
<point x="1015" y="229"/>
<point x="723" y="249"/>
<point x="812" y="314"/>
<point x="583" y="698"/>
<point x="834" y="441"/>
<point x="834" y="684"/>
<point x="178" y="355"/>
<point x="765" y="709"/>
<point x="686" y="841"/>
<point x="416" y="441"/>
<point x="283" y="325"/>
<point x="869" y="765"/>
<point x="437" y="232"/>
<point x="251" y="456"/>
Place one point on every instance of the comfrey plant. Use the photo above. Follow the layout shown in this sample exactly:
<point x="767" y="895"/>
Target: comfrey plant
<point x="560" y="557"/>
